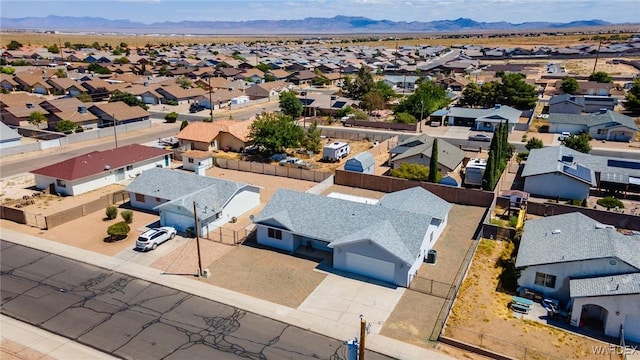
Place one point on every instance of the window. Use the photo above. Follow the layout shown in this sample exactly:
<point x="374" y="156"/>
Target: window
<point x="190" y="160"/>
<point x="61" y="183"/>
<point x="275" y="234"/>
<point x="158" y="199"/>
<point x="129" y="167"/>
<point x="140" y="198"/>
<point x="545" y="280"/>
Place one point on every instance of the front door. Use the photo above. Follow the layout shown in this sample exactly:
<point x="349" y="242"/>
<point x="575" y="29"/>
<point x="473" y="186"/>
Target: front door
<point x="120" y="174"/>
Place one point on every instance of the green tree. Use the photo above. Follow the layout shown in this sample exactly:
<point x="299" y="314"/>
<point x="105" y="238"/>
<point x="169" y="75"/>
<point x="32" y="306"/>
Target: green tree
<point x="98" y="69"/>
<point x="405" y="118"/>
<point x="433" y="163"/>
<point x="184" y="124"/>
<point x="632" y="98"/>
<point x="127" y="216"/>
<point x="61" y="73"/>
<point x="128" y="99"/>
<point x="534" y="143"/>
<point x="499" y="152"/>
<point x="121" y="60"/>
<point x="111" y="212"/>
<point x="171" y="117"/>
<point x="601" y="77"/>
<point x="312" y="140"/>
<point x="383" y="89"/>
<point x="427" y="98"/>
<point x="290" y="104"/>
<point x="66" y="126"/>
<point x="36" y="118"/>
<point x="7" y="70"/>
<point x="184" y="82"/>
<point x="275" y="132"/>
<point x="14" y="45"/>
<point x="84" y="97"/>
<point x="578" y="142"/>
<point x="569" y="85"/>
<point x="355" y="88"/>
<point x="514" y="91"/>
<point x="472" y="96"/>
<point x="411" y="171"/>
<point x="372" y="101"/>
<point x="163" y="70"/>
<point x="53" y="49"/>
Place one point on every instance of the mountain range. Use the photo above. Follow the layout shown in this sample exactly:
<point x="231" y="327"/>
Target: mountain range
<point x="311" y="25"/>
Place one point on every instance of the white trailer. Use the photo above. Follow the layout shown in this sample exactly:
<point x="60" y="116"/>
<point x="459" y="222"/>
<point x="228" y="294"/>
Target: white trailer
<point x="474" y="172"/>
<point x="335" y="151"/>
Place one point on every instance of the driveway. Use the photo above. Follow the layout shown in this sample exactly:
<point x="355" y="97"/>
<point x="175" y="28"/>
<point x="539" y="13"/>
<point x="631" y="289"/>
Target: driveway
<point x="146" y="258"/>
<point x="342" y="300"/>
<point x="457" y="132"/>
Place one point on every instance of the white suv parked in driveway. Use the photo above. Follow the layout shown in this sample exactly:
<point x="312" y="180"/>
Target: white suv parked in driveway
<point x="150" y="239"/>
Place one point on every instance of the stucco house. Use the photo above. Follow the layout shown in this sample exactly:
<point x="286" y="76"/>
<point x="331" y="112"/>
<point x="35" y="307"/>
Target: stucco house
<point x="588" y="266"/>
<point x="197" y="161"/>
<point x="387" y="241"/>
<point x="99" y="168"/>
<point x="603" y="125"/>
<point x="118" y="113"/>
<point x="484" y="119"/>
<point x="562" y="172"/>
<point x="213" y="136"/>
<point x="172" y="193"/>
<point x="8" y="137"/>
<point x="417" y="150"/>
<point x="270" y="90"/>
<point x="576" y="104"/>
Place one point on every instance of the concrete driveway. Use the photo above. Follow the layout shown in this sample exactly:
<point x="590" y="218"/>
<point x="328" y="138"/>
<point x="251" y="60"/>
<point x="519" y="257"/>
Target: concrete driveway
<point x="146" y="258"/>
<point x="342" y="300"/>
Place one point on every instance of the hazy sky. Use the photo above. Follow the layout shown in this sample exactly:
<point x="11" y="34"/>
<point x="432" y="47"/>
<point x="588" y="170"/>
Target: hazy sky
<point x="148" y="11"/>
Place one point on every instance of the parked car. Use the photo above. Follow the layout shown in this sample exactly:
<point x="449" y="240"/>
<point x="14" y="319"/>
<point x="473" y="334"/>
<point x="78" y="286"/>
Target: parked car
<point x="150" y="239"/>
<point x="194" y="108"/>
<point x="295" y="163"/>
<point x="564" y="135"/>
<point x="480" y="137"/>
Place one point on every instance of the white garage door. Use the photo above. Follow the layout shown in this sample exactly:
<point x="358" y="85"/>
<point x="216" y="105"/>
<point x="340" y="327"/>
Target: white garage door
<point x="368" y="266"/>
<point x="180" y="222"/>
<point x="632" y="328"/>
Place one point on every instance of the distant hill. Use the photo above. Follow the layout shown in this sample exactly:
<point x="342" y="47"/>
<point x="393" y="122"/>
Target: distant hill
<point x="334" y="25"/>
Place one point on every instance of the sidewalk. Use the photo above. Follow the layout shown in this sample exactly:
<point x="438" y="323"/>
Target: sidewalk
<point x="295" y="317"/>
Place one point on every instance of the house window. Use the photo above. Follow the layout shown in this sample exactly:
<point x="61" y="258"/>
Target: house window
<point x="129" y="167"/>
<point x="546" y="280"/>
<point x="602" y="131"/>
<point x="190" y="161"/>
<point x="158" y="199"/>
<point x="275" y="234"/>
<point x="61" y="183"/>
<point x="140" y="198"/>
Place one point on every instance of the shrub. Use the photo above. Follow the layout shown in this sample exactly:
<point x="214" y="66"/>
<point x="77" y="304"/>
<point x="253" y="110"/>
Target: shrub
<point x="111" y="212"/>
<point x="575" y="202"/>
<point x="190" y="232"/>
<point x="610" y="202"/>
<point x="118" y="231"/>
<point x="171" y="117"/>
<point x="522" y="156"/>
<point x="183" y="124"/>
<point x="172" y="102"/>
<point x="509" y="275"/>
<point x="127" y="216"/>
<point x="513" y="221"/>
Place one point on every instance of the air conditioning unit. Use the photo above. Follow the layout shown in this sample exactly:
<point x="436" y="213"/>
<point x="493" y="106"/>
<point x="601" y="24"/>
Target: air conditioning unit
<point x="206" y="273"/>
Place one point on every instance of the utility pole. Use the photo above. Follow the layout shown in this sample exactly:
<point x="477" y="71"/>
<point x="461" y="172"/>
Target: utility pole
<point x="421" y="111"/>
<point x="115" y="133"/>
<point x="597" y="56"/>
<point x="195" y="220"/>
<point x="363" y="333"/>
<point x="210" y="103"/>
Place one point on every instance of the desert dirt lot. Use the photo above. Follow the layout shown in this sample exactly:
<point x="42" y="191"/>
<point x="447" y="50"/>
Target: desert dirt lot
<point x="480" y="309"/>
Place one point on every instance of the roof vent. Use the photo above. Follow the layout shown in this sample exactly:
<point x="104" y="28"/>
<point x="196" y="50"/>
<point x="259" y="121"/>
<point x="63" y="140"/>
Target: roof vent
<point x="30" y="106"/>
<point x="82" y="109"/>
<point x="603" y="111"/>
<point x="556" y="232"/>
<point x="107" y="167"/>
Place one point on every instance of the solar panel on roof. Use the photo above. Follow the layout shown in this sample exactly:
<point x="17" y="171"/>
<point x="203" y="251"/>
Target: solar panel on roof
<point x="625" y="164"/>
<point x="580" y="172"/>
<point x="339" y="104"/>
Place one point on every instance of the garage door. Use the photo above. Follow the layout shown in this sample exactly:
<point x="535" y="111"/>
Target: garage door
<point x="180" y="222"/>
<point x="371" y="267"/>
<point x="632" y="328"/>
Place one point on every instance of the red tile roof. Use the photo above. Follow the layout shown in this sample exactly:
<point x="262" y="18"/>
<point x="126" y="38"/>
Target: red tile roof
<point x="94" y="162"/>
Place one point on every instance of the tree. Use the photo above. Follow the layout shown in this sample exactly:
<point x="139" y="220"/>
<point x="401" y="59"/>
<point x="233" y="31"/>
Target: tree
<point x="411" y="171"/>
<point x="433" y="162"/>
<point x="53" y="49"/>
<point x="275" y="132"/>
<point x="472" y="96"/>
<point x="312" y="140"/>
<point x="383" y="89"/>
<point x="127" y="216"/>
<point x="183" y="82"/>
<point x="512" y="90"/>
<point x="372" y="101"/>
<point x="534" y="143"/>
<point x="363" y="83"/>
<point x="7" y="70"/>
<point x="632" y="98"/>
<point x="118" y="231"/>
<point x="98" y="69"/>
<point x="111" y="212"/>
<point x="601" y="77"/>
<point x="290" y="104"/>
<point x="171" y="117"/>
<point x="184" y="124"/>
<point x="61" y="73"/>
<point x="427" y="98"/>
<point x="578" y="142"/>
<point x="499" y="152"/>
<point x="127" y="98"/>
<point x="121" y="60"/>
<point x="66" y="126"/>
<point x="14" y="45"/>
<point x="569" y="85"/>
<point x="84" y="97"/>
<point x="36" y="118"/>
<point x="405" y="118"/>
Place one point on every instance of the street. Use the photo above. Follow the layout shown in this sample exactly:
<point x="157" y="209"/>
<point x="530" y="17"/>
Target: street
<point x="131" y="318"/>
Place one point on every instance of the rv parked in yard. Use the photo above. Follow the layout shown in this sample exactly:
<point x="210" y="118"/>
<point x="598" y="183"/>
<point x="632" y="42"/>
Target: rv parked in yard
<point x="474" y="172"/>
<point x="335" y="151"/>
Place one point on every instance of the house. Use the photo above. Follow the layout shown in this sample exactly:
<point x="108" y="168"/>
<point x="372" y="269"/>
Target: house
<point x="99" y="168"/>
<point x="8" y="137"/>
<point x="118" y="112"/>
<point x="197" y="161"/>
<point x="315" y="104"/>
<point x="33" y="83"/>
<point x="387" y="241"/>
<point x="217" y="135"/>
<point x="604" y="125"/>
<point x="174" y="193"/>
<point x="268" y="90"/>
<point x="15" y="108"/>
<point x="417" y="150"/>
<point x="587" y="265"/>
<point x="576" y="104"/>
<point x="7" y="82"/>
<point x="64" y="86"/>
<point x="484" y="119"/>
<point x="178" y="93"/>
<point x="363" y="163"/>
<point x="70" y="109"/>
<point x="560" y="172"/>
<point x="401" y="83"/>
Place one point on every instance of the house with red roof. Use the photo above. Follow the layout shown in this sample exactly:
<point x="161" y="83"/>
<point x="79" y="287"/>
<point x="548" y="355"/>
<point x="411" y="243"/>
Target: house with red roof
<point x="97" y="169"/>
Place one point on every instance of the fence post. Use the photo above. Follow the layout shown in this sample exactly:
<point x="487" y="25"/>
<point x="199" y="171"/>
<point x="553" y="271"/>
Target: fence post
<point x="431" y="289"/>
<point x="481" y="336"/>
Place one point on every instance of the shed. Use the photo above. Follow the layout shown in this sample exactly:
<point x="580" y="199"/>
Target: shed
<point x="363" y="163"/>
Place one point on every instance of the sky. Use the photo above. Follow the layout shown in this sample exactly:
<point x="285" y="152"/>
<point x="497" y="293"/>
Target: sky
<point x="149" y="11"/>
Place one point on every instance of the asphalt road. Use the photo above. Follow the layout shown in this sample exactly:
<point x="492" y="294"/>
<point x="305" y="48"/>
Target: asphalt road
<point x="130" y="318"/>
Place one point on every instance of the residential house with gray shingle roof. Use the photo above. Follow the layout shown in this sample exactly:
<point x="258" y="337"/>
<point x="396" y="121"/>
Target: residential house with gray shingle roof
<point x="417" y="150"/>
<point x="172" y="193"/>
<point x="588" y="266"/>
<point x="604" y="125"/>
<point x="386" y="241"/>
<point x="484" y="119"/>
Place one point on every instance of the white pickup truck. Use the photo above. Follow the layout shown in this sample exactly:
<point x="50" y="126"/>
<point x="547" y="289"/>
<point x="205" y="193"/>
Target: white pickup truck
<point x="294" y="162"/>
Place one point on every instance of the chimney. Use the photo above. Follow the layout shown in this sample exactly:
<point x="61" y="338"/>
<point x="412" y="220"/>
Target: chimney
<point x="82" y="109"/>
<point x="603" y="111"/>
<point x="497" y="106"/>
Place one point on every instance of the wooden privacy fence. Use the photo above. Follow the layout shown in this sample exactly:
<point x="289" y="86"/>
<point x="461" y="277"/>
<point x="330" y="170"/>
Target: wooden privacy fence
<point x="271" y="169"/>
